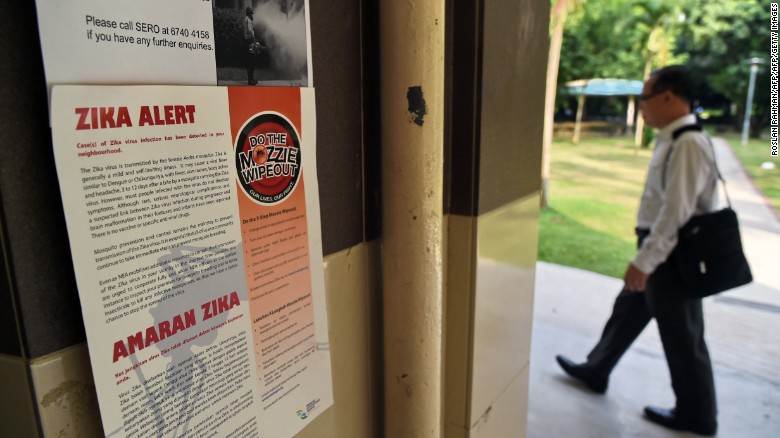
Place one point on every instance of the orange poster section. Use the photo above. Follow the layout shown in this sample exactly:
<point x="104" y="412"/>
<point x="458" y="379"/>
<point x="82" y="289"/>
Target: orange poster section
<point x="276" y="256"/>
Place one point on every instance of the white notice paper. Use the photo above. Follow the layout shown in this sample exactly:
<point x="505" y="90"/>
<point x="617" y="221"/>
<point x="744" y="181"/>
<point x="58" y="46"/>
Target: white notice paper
<point x="177" y="42"/>
<point x="193" y="218"/>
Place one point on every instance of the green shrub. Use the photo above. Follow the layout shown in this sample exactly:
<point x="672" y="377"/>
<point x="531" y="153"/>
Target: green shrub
<point x="648" y="137"/>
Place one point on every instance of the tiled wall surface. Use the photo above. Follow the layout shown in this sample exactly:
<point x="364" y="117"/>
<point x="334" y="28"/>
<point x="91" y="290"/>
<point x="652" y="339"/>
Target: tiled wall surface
<point x="506" y="256"/>
<point x="65" y="394"/>
<point x="17" y="413"/>
<point x="494" y="162"/>
<point x="490" y="310"/>
<point x="507" y="416"/>
<point x="353" y="289"/>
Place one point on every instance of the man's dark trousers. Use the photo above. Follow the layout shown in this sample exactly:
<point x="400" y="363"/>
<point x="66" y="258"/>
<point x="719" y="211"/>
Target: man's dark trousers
<point x="681" y="328"/>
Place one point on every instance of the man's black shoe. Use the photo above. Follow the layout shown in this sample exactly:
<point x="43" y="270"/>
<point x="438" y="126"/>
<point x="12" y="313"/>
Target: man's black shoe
<point x="581" y="372"/>
<point x="668" y="418"/>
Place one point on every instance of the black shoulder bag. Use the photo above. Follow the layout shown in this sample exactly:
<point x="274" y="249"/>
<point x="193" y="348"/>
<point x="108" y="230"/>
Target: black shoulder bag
<point x="709" y="257"/>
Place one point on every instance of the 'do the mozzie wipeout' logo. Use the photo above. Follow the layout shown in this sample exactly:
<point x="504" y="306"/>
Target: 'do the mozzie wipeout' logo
<point x="268" y="158"/>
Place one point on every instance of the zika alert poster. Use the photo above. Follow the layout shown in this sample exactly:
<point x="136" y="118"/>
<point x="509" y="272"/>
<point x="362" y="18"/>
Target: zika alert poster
<point x="193" y="218"/>
<point x="177" y="42"/>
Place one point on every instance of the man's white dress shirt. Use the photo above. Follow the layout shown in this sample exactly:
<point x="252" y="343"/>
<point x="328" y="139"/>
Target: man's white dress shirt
<point x="690" y="189"/>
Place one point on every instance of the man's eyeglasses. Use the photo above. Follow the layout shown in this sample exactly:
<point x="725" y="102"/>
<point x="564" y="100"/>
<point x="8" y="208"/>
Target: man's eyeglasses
<point x="643" y="97"/>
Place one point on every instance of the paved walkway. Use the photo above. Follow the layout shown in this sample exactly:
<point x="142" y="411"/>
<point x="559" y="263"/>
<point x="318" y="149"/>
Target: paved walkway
<point x="743" y="334"/>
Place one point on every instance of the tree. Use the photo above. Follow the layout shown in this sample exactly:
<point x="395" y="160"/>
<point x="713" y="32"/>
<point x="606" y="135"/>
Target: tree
<point x="630" y="38"/>
<point x="622" y="39"/>
<point x="558" y="15"/>
<point x="601" y="43"/>
<point x="721" y="36"/>
<point x="661" y="21"/>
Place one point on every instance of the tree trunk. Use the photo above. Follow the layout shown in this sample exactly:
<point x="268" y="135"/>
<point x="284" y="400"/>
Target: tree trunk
<point x="559" y="13"/>
<point x="640" y="121"/>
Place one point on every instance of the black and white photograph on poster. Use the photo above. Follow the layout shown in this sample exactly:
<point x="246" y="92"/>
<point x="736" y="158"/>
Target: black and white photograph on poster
<point x="176" y="42"/>
<point x="261" y="42"/>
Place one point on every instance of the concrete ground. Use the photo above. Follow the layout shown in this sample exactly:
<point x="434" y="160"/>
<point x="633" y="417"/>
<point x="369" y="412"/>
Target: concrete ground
<point x="743" y="335"/>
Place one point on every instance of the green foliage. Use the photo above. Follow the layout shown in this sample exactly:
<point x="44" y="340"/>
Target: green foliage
<point x="721" y="37"/>
<point x="648" y="135"/>
<point x="612" y="39"/>
<point x="574" y="10"/>
<point x="728" y="29"/>
<point x="596" y="44"/>
<point x="656" y="23"/>
<point x="615" y="38"/>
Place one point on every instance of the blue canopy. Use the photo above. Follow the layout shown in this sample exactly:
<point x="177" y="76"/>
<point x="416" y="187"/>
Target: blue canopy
<point x="603" y="87"/>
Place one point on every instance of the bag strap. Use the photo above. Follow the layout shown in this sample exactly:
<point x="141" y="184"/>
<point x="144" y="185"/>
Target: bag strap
<point x="679" y="132"/>
<point x="685" y="128"/>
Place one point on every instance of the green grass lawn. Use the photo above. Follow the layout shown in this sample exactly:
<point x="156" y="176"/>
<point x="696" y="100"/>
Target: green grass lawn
<point x="594" y="193"/>
<point x="752" y="155"/>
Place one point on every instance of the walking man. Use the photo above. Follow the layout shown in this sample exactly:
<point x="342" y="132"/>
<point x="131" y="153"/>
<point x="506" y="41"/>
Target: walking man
<point x="681" y="183"/>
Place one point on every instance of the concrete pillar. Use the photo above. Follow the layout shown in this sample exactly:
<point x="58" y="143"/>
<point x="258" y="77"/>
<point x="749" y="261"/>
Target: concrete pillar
<point x="412" y="124"/>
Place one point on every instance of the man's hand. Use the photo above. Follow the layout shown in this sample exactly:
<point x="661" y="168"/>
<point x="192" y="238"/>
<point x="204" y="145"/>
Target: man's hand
<point x="634" y="279"/>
